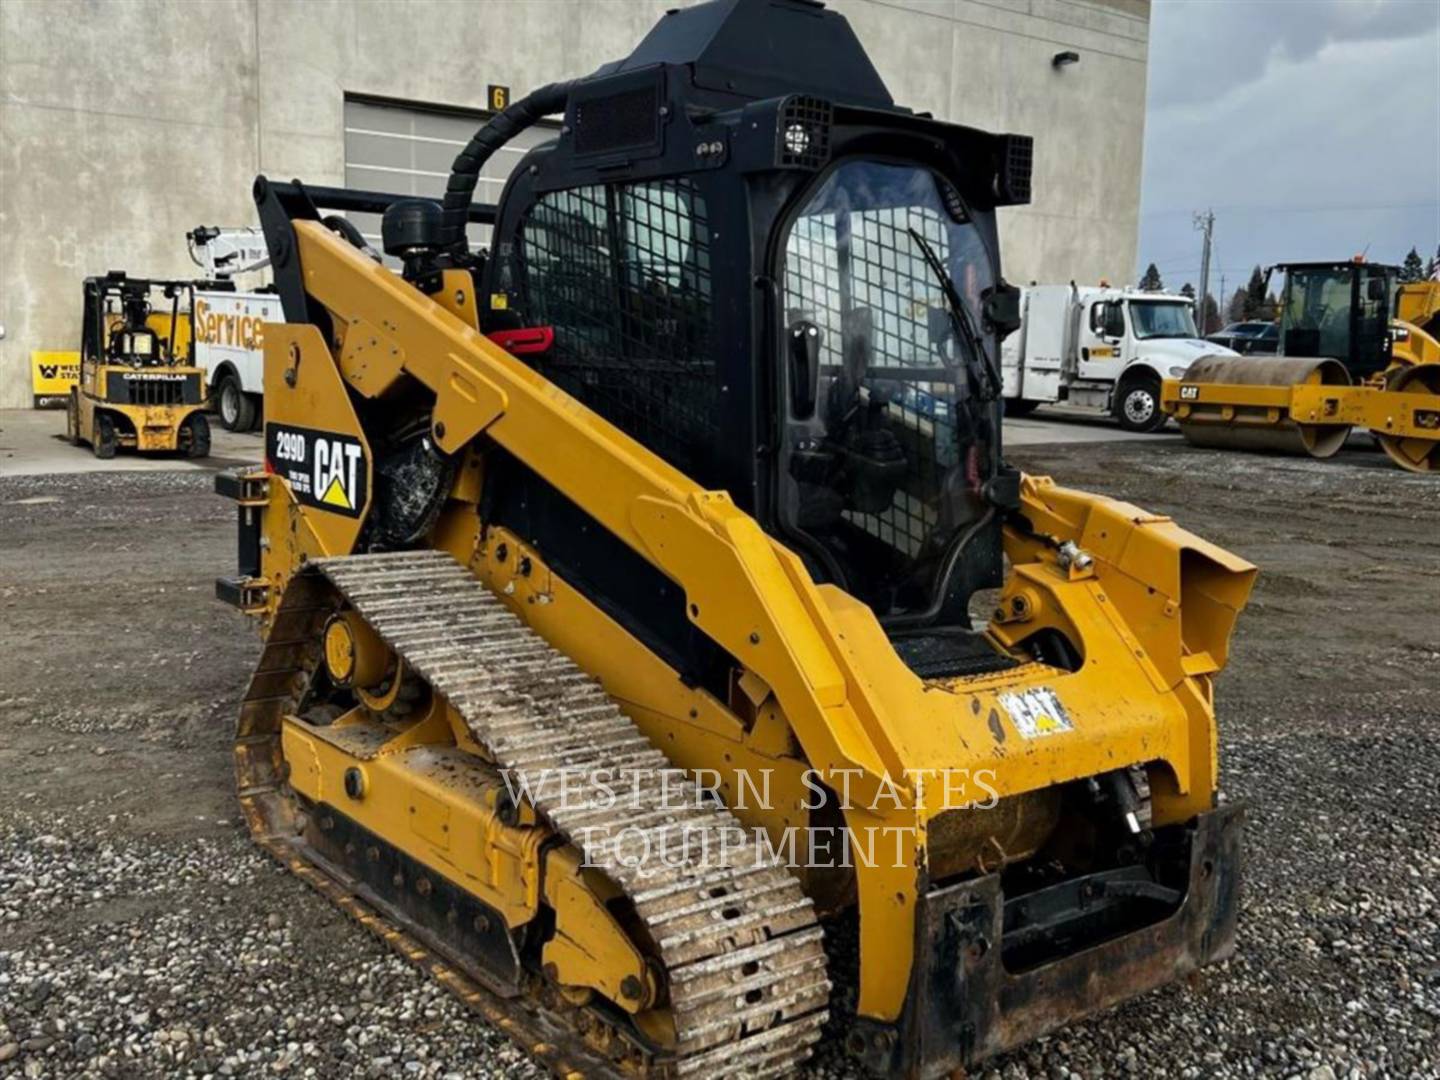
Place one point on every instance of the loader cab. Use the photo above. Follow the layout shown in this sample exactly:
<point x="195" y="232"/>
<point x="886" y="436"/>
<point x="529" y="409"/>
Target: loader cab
<point x="1340" y="311"/>
<point x="787" y="287"/>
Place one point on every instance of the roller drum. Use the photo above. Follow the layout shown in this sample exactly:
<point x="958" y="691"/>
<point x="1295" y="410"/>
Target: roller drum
<point x="1253" y="427"/>
<point x="1414" y="455"/>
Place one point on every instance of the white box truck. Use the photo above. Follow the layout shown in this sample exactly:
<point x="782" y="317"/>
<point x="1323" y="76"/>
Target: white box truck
<point x="230" y="347"/>
<point x="229" y="323"/>
<point x="1101" y="348"/>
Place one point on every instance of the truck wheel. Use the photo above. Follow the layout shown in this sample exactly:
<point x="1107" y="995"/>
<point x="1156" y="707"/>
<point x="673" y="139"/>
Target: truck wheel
<point x="195" y="435"/>
<point x="103" y="440"/>
<point x="1137" y="404"/>
<point x="236" y="409"/>
<point x="1019" y="406"/>
<point x="257" y="412"/>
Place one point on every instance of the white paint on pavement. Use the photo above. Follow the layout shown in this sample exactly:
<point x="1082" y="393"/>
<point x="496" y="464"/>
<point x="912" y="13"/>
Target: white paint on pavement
<point x="33" y="443"/>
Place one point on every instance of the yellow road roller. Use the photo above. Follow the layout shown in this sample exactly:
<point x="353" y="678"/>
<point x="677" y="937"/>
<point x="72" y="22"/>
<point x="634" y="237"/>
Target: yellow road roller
<point x="1356" y="350"/>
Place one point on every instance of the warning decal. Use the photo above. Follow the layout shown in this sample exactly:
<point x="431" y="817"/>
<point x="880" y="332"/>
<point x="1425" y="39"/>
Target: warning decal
<point x="1036" y="712"/>
<point x="324" y="469"/>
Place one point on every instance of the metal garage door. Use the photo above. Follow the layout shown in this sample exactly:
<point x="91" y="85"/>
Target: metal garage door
<point x="408" y="149"/>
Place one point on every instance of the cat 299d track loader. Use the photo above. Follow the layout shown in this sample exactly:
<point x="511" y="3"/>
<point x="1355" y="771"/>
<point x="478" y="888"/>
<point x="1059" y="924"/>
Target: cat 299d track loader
<point x="616" y="587"/>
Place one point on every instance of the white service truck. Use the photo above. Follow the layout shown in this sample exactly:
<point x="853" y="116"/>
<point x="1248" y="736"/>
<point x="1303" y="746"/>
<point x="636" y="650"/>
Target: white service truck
<point x="229" y="323"/>
<point x="1102" y="348"/>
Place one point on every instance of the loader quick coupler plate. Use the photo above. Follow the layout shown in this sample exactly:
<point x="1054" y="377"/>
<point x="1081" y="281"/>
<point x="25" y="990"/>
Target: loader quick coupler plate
<point x="249" y="487"/>
<point x="982" y="989"/>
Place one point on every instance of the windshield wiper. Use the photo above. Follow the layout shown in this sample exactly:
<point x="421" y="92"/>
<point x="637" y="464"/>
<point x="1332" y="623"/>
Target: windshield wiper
<point x="980" y="361"/>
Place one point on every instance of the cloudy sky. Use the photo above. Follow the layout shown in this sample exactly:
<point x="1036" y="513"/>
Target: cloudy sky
<point x="1311" y="127"/>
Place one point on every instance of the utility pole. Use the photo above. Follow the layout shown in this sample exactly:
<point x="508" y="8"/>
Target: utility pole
<point x="1205" y="223"/>
<point x="1220" y="301"/>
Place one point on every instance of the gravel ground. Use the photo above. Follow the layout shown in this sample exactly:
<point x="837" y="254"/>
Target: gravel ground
<point x="142" y="936"/>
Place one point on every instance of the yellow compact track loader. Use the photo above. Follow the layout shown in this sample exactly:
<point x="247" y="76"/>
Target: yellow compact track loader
<point x="619" y="587"/>
<point x="139" y="386"/>
<point x="1356" y="350"/>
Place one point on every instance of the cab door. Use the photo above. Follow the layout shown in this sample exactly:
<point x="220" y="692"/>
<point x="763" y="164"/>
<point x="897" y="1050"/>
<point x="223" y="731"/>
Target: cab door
<point x="1371" y="333"/>
<point x="1101" y="338"/>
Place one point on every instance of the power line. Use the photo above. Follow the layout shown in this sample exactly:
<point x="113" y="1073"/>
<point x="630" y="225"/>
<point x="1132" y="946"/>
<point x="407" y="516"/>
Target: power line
<point x="1300" y="209"/>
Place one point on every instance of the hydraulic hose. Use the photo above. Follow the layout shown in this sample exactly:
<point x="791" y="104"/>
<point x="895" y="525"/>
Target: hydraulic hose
<point x="495" y="133"/>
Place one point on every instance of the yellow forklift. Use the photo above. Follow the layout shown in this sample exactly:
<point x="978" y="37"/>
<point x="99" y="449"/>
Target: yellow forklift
<point x="139" y="386"/>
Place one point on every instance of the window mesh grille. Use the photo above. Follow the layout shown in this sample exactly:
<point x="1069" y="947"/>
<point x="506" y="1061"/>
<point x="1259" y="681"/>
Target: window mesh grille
<point x="838" y="265"/>
<point x="622" y="274"/>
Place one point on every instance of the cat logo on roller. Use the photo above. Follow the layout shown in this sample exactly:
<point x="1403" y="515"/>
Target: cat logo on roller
<point x="324" y="469"/>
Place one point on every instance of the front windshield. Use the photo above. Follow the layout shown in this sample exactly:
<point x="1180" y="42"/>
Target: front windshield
<point x="1316" y="314"/>
<point x="1156" y="320"/>
<point x="887" y="448"/>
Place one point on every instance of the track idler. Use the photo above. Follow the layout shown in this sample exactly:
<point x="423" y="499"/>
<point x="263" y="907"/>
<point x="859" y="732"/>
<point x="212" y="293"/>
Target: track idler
<point x="1250" y="422"/>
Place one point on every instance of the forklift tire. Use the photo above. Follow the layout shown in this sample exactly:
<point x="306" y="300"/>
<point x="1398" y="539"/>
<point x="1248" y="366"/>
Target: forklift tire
<point x="103" y="440"/>
<point x="72" y="417"/>
<point x="1137" y="404"/>
<point x="195" y="436"/>
<point x="1019" y="406"/>
<point x="235" y="407"/>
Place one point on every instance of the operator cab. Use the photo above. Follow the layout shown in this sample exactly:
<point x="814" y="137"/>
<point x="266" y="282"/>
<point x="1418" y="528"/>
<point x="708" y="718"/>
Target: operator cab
<point x="1340" y="311"/>
<point x="818" y="339"/>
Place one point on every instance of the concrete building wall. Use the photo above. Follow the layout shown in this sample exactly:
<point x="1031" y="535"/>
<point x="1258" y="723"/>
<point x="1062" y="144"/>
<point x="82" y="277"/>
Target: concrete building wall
<point x="124" y="123"/>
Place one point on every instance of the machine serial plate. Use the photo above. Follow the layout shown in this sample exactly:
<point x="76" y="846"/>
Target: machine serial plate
<point x="1036" y="712"/>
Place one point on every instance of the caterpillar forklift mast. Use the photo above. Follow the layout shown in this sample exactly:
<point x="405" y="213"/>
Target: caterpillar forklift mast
<point x="139" y="386"/>
<point x="616" y="590"/>
<point x="1357" y="349"/>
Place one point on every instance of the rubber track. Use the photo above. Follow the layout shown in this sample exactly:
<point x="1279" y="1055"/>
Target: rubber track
<point x="738" y="939"/>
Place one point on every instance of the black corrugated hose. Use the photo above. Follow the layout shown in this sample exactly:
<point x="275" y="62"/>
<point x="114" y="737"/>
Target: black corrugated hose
<point x="496" y="132"/>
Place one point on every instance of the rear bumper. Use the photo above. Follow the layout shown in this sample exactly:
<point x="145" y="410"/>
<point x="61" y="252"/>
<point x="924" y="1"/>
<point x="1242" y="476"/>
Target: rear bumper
<point x="963" y="1006"/>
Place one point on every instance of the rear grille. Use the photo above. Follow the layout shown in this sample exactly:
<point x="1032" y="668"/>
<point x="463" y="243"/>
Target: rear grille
<point x="127" y="388"/>
<point x="628" y="120"/>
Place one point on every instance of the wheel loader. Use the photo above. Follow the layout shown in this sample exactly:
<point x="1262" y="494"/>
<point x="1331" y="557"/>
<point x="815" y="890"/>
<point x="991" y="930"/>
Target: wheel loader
<point x="139" y="386"/>
<point x="647" y="597"/>
<point x="1357" y="349"/>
